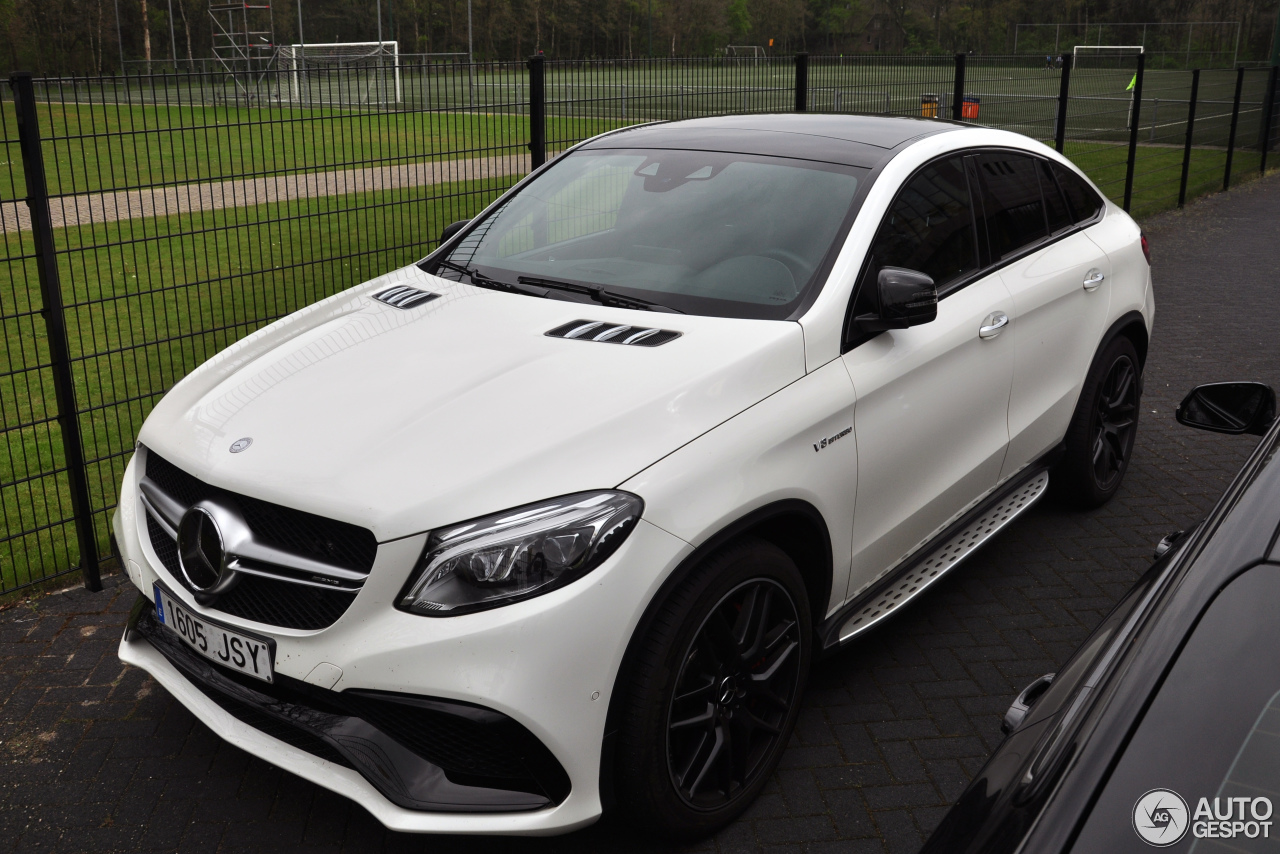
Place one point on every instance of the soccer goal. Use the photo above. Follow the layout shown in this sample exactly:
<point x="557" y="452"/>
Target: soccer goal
<point x="744" y="52"/>
<point x="343" y="72"/>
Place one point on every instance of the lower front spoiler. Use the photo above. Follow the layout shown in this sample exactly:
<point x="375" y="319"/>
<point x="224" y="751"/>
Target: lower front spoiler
<point x="343" y="752"/>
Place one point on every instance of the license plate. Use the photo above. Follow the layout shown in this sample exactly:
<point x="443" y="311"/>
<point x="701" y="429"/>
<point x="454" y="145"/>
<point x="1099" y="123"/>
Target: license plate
<point x="249" y="655"/>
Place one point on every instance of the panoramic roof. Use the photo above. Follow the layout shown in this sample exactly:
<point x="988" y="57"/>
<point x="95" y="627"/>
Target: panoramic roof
<point x="852" y="140"/>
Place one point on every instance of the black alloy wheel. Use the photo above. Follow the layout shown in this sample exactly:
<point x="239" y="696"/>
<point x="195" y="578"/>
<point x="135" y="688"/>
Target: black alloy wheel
<point x="1115" y="423"/>
<point x="737" y="684"/>
<point x="710" y="690"/>
<point x="1099" y="441"/>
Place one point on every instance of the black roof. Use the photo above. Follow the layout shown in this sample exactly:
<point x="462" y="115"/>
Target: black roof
<point x="851" y="140"/>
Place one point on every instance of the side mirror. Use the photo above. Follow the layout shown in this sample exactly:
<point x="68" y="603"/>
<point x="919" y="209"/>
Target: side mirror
<point x="1229" y="408"/>
<point x="451" y="229"/>
<point x="906" y="297"/>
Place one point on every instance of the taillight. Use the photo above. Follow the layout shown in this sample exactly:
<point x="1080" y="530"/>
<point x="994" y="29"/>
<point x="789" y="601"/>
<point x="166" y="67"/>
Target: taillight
<point x="1146" y="249"/>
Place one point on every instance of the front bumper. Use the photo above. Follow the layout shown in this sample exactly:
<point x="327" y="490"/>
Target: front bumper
<point x="547" y="664"/>
<point x="420" y="753"/>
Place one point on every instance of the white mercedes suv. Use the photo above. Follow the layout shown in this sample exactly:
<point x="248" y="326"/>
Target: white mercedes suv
<point x="557" y="518"/>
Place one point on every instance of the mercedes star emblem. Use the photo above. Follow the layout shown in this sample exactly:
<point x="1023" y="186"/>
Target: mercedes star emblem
<point x="202" y="555"/>
<point x="240" y="444"/>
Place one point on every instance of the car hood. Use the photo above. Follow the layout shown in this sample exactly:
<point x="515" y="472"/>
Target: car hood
<point x="405" y="420"/>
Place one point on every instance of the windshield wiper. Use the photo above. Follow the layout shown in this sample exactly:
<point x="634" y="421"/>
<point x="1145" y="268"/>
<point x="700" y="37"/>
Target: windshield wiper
<point x="482" y="281"/>
<point x="599" y="294"/>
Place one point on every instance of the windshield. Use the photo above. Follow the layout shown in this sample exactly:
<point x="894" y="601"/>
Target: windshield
<point x="698" y="232"/>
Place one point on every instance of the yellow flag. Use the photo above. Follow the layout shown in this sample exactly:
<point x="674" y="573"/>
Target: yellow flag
<point x="1132" y="83"/>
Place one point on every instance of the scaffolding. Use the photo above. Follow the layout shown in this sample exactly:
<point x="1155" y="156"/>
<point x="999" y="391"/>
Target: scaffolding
<point x="244" y="37"/>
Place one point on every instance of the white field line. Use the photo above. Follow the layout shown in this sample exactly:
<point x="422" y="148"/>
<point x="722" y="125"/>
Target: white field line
<point x="94" y="208"/>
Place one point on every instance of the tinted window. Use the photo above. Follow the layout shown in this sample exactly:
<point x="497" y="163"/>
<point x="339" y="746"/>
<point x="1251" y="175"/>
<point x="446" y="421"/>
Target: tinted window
<point x="1085" y="203"/>
<point x="1011" y="201"/>
<point x="1055" y="205"/>
<point x="930" y="226"/>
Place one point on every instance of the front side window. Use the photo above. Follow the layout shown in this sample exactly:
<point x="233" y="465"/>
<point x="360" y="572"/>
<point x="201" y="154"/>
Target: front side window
<point x="1011" y="200"/>
<point x="929" y="228"/>
<point x="700" y="232"/>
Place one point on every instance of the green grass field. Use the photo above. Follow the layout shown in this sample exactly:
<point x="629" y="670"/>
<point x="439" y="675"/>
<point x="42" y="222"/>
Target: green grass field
<point x="149" y="299"/>
<point x="96" y="147"/>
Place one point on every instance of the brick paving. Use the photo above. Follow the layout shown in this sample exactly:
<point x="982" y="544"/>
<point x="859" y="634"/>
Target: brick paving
<point x="96" y="757"/>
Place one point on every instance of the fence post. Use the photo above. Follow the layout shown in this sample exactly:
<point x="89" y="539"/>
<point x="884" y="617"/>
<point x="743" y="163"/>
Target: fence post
<point x="957" y="94"/>
<point x="1268" y="116"/>
<point x="1186" y="149"/>
<point x="1235" y="121"/>
<point x="802" y="82"/>
<point x="1134" y="121"/>
<point x="55" y="323"/>
<point x="1060" y="130"/>
<point x="537" y="111"/>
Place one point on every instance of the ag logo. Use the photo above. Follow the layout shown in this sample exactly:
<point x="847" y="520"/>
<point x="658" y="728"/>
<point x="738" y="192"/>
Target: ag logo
<point x="1160" y="817"/>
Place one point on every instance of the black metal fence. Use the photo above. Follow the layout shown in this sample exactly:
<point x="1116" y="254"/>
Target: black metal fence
<point x="150" y="221"/>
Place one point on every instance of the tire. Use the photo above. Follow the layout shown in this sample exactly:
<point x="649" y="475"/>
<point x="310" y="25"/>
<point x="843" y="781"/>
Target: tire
<point x="691" y="669"/>
<point x="1100" y="438"/>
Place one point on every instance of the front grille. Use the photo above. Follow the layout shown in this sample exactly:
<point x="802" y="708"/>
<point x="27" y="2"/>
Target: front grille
<point x="291" y="530"/>
<point x="271" y="601"/>
<point x="279" y="603"/>
<point x="166" y="549"/>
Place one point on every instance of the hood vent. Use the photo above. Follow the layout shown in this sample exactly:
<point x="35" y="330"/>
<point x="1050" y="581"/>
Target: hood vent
<point x="612" y="333"/>
<point x="405" y="297"/>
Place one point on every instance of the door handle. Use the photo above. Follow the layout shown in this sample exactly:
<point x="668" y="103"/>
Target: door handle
<point x="1092" y="279"/>
<point x="991" y="327"/>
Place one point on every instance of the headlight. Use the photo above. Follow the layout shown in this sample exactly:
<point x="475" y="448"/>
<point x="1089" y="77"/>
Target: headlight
<point x="516" y="554"/>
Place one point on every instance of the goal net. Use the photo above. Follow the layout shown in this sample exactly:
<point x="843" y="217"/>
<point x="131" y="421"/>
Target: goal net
<point x="342" y="72"/>
<point x="752" y="53"/>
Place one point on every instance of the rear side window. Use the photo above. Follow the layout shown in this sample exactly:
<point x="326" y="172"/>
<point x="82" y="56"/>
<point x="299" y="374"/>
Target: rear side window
<point x="1085" y="202"/>
<point x="1011" y="200"/>
<point x="1055" y="204"/>
<point x="929" y="227"/>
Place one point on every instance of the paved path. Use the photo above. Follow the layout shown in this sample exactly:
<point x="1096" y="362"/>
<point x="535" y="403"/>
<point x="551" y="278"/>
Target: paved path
<point x="92" y="208"/>
<point x="95" y="757"/>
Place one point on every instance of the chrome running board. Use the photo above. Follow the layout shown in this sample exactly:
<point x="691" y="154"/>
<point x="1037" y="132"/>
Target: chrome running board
<point x="918" y="575"/>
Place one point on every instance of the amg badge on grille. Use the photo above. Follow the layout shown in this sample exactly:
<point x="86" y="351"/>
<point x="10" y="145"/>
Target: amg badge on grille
<point x="403" y="296"/>
<point x="613" y="333"/>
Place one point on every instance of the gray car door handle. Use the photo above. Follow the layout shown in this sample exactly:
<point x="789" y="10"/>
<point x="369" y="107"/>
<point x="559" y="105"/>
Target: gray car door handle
<point x="991" y="327"/>
<point x="1093" y="279"/>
